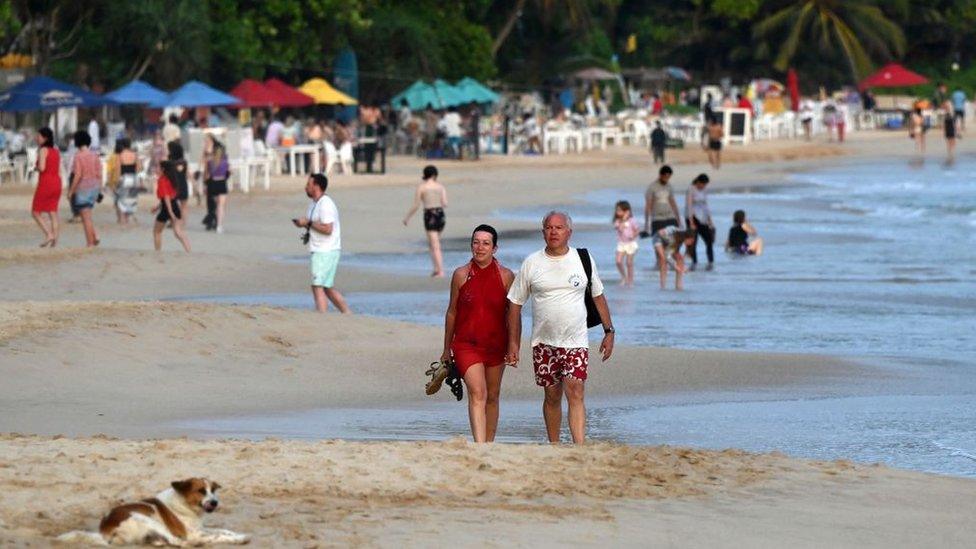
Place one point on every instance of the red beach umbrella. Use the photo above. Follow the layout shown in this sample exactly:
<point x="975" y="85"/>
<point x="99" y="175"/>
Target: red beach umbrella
<point x="287" y="96"/>
<point x="892" y="75"/>
<point x="793" y="86"/>
<point x="253" y="94"/>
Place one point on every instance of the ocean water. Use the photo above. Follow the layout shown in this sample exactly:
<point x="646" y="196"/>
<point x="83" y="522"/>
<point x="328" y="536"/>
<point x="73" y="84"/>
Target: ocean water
<point x="870" y="260"/>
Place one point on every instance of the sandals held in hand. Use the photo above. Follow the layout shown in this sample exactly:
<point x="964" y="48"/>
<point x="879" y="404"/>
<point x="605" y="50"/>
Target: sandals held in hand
<point x="440" y="372"/>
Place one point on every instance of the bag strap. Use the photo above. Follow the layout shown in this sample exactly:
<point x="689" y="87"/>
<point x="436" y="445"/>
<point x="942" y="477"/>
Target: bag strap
<point x="587" y="267"/>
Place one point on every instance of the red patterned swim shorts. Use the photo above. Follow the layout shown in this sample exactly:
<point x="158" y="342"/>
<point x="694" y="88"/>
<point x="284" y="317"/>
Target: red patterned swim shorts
<point x="552" y="364"/>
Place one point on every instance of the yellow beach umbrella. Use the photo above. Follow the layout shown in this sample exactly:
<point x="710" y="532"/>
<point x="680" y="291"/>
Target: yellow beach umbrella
<point x="324" y="94"/>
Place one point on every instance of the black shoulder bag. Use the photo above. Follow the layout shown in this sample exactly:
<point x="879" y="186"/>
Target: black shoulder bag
<point x="592" y="315"/>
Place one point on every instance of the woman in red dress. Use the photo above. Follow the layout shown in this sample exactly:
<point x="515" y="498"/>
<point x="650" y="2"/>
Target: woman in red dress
<point x="475" y="330"/>
<point x="47" y="195"/>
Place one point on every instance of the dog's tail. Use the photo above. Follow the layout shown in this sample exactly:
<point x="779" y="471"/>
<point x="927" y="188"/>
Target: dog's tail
<point x="80" y="536"/>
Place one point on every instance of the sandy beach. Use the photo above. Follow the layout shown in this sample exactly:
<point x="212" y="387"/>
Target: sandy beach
<point x="93" y="347"/>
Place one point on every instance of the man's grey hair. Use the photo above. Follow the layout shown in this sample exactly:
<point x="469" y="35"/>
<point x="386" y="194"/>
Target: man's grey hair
<point x="564" y="215"/>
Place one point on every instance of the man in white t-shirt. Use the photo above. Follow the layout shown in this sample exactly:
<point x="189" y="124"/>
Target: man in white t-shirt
<point x="555" y="280"/>
<point x="94" y="131"/>
<point x="324" y="240"/>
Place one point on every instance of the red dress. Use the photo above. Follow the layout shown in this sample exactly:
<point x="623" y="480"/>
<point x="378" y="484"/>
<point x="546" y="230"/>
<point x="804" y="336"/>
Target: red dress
<point x="480" y="330"/>
<point x="48" y="191"/>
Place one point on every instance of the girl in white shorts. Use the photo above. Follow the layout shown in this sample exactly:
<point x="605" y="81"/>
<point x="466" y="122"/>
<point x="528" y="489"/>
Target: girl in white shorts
<point x="627" y="234"/>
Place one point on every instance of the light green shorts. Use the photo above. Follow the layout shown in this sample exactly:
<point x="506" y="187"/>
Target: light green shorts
<point x="324" y="266"/>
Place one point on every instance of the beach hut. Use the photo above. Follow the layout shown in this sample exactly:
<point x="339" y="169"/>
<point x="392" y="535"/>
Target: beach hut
<point x="287" y="96"/>
<point x="323" y="93"/>
<point x="472" y="90"/>
<point x="42" y="93"/>
<point x="196" y="94"/>
<point x="136" y="92"/>
<point x="252" y="93"/>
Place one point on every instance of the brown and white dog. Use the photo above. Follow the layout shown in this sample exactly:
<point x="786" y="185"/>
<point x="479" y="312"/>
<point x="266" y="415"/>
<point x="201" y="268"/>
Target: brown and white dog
<point x="173" y="517"/>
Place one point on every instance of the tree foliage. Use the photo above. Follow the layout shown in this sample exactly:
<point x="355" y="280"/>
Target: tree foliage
<point x="521" y="43"/>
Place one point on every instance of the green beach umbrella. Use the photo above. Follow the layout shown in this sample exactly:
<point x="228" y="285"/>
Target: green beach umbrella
<point x="475" y="91"/>
<point x="418" y="96"/>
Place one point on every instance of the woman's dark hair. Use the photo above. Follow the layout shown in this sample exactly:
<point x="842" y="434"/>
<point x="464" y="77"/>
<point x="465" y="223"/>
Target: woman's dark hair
<point x="739" y="216"/>
<point x="48" y="137"/>
<point x="430" y="171"/>
<point x="175" y="150"/>
<point x="82" y="139"/>
<point x="487" y="229"/>
<point x="702" y="178"/>
<point x="321" y="180"/>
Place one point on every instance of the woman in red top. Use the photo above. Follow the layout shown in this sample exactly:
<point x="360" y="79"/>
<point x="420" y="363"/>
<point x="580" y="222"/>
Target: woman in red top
<point x="475" y="330"/>
<point x="48" y="191"/>
<point x="169" y="206"/>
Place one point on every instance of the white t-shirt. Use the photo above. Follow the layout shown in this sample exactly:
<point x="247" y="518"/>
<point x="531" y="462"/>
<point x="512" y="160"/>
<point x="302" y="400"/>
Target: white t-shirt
<point x="452" y="124"/>
<point x="557" y="286"/>
<point x="324" y="211"/>
<point x="93" y="132"/>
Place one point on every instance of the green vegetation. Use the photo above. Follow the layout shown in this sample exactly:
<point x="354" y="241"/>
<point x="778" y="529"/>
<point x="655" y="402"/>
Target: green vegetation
<point x="523" y="44"/>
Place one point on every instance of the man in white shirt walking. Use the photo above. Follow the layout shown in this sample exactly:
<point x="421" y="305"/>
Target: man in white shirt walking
<point x="94" y="131"/>
<point x="556" y="281"/>
<point x="323" y="237"/>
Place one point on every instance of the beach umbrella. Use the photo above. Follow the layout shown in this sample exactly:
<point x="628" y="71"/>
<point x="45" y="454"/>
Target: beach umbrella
<point x="287" y="96"/>
<point x="677" y="73"/>
<point x="195" y="94"/>
<point x="42" y="93"/>
<point x="136" y="92"/>
<point x="472" y="90"/>
<point x="594" y="73"/>
<point x="793" y="85"/>
<point x="893" y="75"/>
<point x="449" y="95"/>
<point x="418" y="95"/>
<point x="252" y="93"/>
<point x="323" y="93"/>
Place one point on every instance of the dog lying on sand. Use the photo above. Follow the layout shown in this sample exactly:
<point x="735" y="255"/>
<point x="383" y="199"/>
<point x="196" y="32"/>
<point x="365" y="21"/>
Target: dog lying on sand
<point x="174" y="517"/>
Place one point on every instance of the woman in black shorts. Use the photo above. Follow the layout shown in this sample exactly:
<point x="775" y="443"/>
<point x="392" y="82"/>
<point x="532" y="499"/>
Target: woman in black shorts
<point x="949" y="125"/>
<point x="169" y="206"/>
<point x="433" y="196"/>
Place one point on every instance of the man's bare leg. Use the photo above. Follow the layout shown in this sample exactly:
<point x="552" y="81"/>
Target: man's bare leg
<point x="577" y="409"/>
<point x="552" y="411"/>
<point x="336" y="298"/>
<point x="321" y="303"/>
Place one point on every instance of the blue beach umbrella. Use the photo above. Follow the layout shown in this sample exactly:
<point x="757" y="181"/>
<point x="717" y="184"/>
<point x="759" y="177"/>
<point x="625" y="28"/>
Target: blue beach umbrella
<point x="136" y="92"/>
<point x="449" y="95"/>
<point x="42" y="93"/>
<point x="418" y="96"/>
<point x="195" y="94"/>
<point x="472" y="90"/>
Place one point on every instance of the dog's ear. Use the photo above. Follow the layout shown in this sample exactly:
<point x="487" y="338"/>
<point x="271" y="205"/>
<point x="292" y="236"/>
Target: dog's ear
<point x="214" y="486"/>
<point x="182" y="486"/>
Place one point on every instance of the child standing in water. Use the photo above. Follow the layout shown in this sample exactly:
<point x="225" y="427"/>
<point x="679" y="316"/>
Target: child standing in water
<point x="627" y="233"/>
<point x="667" y="246"/>
<point x="738" y="242"/>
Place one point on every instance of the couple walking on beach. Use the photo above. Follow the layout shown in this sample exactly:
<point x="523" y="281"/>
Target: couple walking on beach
<point x="483" y="325"/>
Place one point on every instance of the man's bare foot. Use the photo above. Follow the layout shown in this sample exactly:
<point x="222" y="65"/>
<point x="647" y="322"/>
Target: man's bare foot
<point x="47" y="242"/>
<point x="437" y="274"/>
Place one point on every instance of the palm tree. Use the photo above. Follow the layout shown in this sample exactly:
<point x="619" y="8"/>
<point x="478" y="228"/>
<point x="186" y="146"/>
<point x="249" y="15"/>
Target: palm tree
<point x="856" y="27"/>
